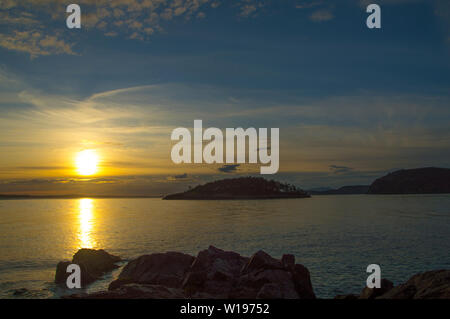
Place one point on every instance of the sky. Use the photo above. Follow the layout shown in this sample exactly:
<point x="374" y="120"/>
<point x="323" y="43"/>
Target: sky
<point x="351" y="103"/>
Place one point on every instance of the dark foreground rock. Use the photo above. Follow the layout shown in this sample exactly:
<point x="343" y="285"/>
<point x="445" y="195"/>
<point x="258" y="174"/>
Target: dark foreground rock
<point x="214" y="273"/>
<point x="134" y="291"/>
<point x="93" y="264"/>
<point x="428" y="285"/>
<point x="166" y="269"/>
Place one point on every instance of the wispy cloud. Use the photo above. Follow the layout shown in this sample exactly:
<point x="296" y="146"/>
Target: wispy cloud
<point x="229" y="168"/>
<point x="336" y="169"/>
<point x="321" y="16"/>
<point x="364" y="131"/>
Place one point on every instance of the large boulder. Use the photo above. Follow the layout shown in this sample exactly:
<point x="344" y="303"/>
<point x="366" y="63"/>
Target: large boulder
<point x="269" y="278"/>
<point x="428" y="285"/>
<point x="166" y="269"/>
<point x="93" y="264"/>
<point x="97" y="262"/>
<point x="214" y="272"/>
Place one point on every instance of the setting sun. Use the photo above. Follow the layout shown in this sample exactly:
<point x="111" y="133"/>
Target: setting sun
<point x="87" y="162"/>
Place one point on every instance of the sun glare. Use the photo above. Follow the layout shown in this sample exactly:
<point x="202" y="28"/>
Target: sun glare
<point x="87" y="162"/>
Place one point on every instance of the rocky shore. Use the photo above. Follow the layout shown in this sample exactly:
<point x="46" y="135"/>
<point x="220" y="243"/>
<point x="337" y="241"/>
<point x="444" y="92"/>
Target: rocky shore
<point x="219" y="274"/>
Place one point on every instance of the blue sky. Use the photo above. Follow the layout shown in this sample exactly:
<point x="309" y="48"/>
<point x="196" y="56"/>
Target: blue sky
<point x="343" y="95"/>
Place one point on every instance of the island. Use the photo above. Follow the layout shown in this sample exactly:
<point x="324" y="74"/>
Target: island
<point x="240" y="188"/>
<point x="428" y="180"/>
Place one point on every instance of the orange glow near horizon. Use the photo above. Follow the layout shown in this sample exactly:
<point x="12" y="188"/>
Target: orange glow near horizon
<point x="86" y="162"/>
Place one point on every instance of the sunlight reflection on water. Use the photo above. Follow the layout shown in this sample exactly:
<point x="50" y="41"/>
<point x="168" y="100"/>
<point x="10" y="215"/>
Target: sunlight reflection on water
<point x="335" y="237"/>
<point x="87" y="222"/>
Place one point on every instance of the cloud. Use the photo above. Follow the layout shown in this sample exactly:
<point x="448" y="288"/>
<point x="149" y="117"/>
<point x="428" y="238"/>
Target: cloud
<point x="37" y="27"/>
<point x="35" y="43"/>
<point x="308" y="4"/>
<point x="340" y="169"/>
<point x="180" y="177"/>
<point x="367" y="131"/>
<point x="321" y="16"/>
<point x="42" y="168"/>
<point x="229" y="168"/>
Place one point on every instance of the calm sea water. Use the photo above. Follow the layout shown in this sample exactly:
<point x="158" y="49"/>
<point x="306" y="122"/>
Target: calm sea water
<point x="336" y="237"/>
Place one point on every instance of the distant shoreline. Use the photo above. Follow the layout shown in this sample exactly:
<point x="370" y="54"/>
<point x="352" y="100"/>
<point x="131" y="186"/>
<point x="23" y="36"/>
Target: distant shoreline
<point x="13" y="197"/>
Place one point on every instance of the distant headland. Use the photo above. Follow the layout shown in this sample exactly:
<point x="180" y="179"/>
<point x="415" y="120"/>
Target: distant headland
<point x="428" y="180"/>
<point x="241" y="188"/>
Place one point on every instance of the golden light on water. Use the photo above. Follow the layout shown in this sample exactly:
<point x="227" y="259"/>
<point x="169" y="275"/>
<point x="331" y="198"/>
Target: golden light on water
<point x="86" y="162"/>
<point x="86" y="219"/>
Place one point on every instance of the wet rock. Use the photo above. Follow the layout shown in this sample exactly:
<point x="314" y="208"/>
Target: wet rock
<point x="428" y="285"/>
<point x="372" y="293"/>
<point x="166" y="269"/>
<point x="97" y="262"/>
<point x="61" y="272"/>
<point x="93" y="264"/>
<point x="20" y="292"/>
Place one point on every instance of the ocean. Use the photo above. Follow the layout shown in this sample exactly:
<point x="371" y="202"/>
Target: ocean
<point x="335" y="237"/>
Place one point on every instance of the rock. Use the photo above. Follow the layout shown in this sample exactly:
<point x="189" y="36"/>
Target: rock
<point x="97" y="262"/>
<point x="372" y="293"/>
<point x="166" y="269"/>
<point x="288" y="261"/>
<point x="262" y="273"/>
<point x="260" y="261"/>
<point x="270" y="291"/>
<point x="93" y="264"/>
<point x="254" y="283"/>
<point x="61" y="272"/>
<point x="346" y="297"/>
<point x="302" y="282"/>
<point x="134" y="291"/>
<point x="214" y="272"/>
<point x="20" y="292"/>
<point x="428" y="285"/>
